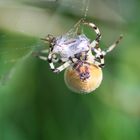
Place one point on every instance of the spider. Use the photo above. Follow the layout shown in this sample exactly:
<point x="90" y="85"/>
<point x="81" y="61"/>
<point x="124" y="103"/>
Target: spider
<point x="78" y="54"/>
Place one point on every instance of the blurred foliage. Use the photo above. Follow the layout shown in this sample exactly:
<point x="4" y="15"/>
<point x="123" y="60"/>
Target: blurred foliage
<point x="36" y="104"/>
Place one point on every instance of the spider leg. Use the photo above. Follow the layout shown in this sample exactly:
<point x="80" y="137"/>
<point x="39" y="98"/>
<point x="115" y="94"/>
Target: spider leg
<point x="52" y="59"/>
<point x="100" y="54"/>
<point x="90" y="24"/>
<point x="99" y="64"/>
<point x="40" y="55"/>
<point x="45" y="51"/>
<point x="94" y="44"/>
<point x="51" y="63"/>
<point x="67" y="63"/>
<point x="101" y="61"/>
<point x="110" y="48"/>
<point x="96" y="59"/>
<point x="49" y="38"/>
<point x="95" y="28"/>
<point x="62" y="67"/>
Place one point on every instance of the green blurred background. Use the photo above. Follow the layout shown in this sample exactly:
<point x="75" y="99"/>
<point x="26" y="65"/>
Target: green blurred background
<point x="35" y="104"/>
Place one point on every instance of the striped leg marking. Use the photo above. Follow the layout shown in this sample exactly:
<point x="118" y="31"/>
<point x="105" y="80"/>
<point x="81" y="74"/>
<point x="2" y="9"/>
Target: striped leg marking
<point x="60" y="68"/>
<point x="100" y="54"/>
<point x="99" y="57"/>
<point x="43" y="52"/>
<point x="90" y="24"/>
<point x="110" y="48"/>
<point x="96" y="29"/>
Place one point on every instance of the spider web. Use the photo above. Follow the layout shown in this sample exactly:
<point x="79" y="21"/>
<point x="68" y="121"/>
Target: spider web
<point x="76" y="27"/>
<point x="16" y="48"/>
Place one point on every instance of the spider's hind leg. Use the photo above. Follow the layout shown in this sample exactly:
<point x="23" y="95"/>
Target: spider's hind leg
<point x="100" y="54"/>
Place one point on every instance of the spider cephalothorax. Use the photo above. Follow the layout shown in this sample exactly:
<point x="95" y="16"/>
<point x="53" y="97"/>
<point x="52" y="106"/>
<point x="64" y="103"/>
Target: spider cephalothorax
<point x="74" y="50"/>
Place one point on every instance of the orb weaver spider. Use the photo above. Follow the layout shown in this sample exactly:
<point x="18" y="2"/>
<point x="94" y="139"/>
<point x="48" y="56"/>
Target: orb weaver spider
<point x="82" y="58"/>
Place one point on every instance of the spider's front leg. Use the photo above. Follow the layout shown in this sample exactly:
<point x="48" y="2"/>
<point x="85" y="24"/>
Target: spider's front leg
<point x="49" y="38"/>
<point x="51" y="58"/>
<point x="60" y="68"/>
<point x="96" y="29"/>
<point x="65" y="64"/>
<point x="40" y="54"/>
<point x="91" y="25"/>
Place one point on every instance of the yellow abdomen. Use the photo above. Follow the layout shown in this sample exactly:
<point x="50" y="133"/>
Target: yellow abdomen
<point x="73" y="81"/>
